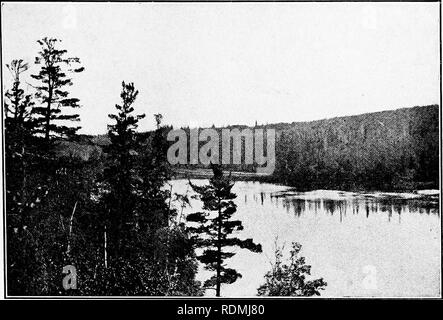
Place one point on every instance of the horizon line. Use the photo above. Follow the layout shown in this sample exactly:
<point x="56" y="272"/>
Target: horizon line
<point x="274" y="123"/>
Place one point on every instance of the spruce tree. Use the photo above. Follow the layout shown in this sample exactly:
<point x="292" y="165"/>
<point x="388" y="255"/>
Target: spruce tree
<point x="53" y="80"/>
<point x="147" y="255"/>
<point x="214" y="227"/>
<point x="120" y="174"/>
<point x="154" y="209"/>
<point x="17" y="104"/>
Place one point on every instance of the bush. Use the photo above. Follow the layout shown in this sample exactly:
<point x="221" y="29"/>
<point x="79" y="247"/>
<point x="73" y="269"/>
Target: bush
<point x="290" y="279"/>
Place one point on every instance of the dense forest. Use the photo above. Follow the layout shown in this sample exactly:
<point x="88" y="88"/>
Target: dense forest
<point x="388" y="150"/>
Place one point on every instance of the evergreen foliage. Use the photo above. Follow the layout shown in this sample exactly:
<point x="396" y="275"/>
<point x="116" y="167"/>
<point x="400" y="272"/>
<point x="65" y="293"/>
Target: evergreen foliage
<point x="53" y="80"/>
<point x="214" y="225"/>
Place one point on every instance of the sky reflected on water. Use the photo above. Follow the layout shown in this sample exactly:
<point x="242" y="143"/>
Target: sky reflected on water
<point x="361" y="244"/>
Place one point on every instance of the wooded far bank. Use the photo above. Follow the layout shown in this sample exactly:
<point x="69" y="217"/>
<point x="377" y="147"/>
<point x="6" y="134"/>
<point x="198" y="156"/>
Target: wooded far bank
<point x="388" y="150"/>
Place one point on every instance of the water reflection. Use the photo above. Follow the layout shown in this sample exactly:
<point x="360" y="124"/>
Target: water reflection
<point x="342" y="233"/>
<point x="320" y="201"/>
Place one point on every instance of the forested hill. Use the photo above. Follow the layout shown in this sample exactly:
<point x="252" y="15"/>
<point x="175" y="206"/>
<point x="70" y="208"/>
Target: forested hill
<point x="396" y="149"/>
<point x="388" y="150"/>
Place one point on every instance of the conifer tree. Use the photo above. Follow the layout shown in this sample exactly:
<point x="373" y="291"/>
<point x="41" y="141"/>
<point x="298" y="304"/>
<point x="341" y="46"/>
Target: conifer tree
<point x="214" y="227"/>
<point x="155" y="171"/>
<point x="18" y="131"/>
<point x="17" y="105"/>
<point x="120" y="174"/>
<point x="53" y="80"/>
<point x="147" y="256"/>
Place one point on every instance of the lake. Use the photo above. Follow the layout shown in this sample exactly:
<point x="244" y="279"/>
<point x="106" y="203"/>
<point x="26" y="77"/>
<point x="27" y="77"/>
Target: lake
<point x="362" y="244"/>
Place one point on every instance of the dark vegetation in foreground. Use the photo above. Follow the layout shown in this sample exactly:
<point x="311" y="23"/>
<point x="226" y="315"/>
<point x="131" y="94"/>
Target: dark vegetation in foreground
<point x="101" y="225"/>
<point x="92" y="216"/>
<point x="290" y="279"/>
<point x="213" y="227"/>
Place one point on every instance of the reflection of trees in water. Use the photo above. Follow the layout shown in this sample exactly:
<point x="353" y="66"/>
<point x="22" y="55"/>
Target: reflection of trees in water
<point x="262" y="197"/>
<point x="314" y="205"/>
<point x="367" y="206"/>
<point x="332" y="206"/>
<point x="385" y="207"/>
<point x="335" y="206"/>
<point x="298" y="205"/>
<point x="399" y="205"/>
<point x="367" y="210"/>
<point x="427" y="207"/>
<point x="355" y="207"/>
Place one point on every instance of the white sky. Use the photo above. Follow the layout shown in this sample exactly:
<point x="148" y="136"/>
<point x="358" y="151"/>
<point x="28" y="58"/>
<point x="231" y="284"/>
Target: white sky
<point x="234" y="63"/>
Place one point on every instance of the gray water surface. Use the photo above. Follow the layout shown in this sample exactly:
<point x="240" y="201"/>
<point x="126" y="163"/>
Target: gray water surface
<point x="361" y="244"/>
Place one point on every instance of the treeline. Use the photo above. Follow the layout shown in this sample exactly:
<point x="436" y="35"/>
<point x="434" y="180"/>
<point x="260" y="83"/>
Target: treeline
<point x="390" y="150"/>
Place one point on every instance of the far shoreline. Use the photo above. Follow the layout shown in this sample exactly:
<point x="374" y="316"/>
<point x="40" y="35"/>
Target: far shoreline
<point x="206" y="173"/>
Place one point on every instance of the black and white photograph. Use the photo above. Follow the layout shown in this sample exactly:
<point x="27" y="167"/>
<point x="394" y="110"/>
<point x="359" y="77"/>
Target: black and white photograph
<point x="213" y="150"/>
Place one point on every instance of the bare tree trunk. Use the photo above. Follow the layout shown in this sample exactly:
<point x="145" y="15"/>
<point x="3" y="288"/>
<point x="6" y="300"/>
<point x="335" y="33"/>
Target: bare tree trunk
<point x="218" y="284"/>
<point x="106" y="248"/>
<point x="48" y="111"/>
<point x="68" y="250"/>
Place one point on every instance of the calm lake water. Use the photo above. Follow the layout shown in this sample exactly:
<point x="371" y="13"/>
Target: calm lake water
<point x="361" y="244"/>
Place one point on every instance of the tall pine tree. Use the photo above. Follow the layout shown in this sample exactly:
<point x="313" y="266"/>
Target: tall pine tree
<point x="121" y="175"/>
<point x="214" y="227"/>
<point x="53" y="79"/>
